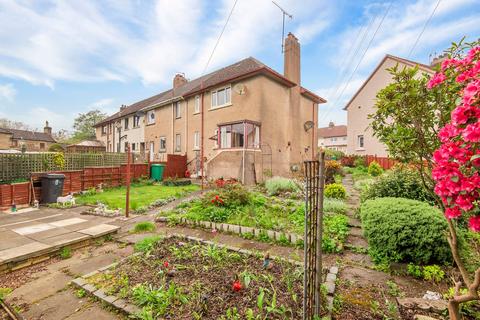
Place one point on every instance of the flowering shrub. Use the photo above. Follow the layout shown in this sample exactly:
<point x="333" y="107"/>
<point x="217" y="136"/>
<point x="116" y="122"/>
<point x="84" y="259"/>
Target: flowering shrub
<point x="457" y="162"/>
<point x="332" y="168"/>
<point x="217" y="201"/>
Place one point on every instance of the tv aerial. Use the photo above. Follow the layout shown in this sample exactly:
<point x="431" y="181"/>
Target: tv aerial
<point x="284" y="13"/>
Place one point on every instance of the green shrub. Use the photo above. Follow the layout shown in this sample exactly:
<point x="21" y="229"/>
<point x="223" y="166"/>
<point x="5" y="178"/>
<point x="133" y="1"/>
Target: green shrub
<point x="400" y="182"/>
<point x="335" y="190"/>
<point x="144" y="226"/>
<point x="334" y="154"/>
<point x="360" y="162"/>
<point x="66" y="253"/>
<point x="147" y="244"/>
<point x="332" y="168"/>
<point x="374" y="169"/>
<point x="429" y="273"/>
<point x="334" y="206"/>
<point x="277" y="185"/>
<point x="404" y="230"/>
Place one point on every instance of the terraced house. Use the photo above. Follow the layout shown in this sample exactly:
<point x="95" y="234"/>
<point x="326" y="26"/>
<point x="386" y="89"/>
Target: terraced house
<point x="244" y="121"/>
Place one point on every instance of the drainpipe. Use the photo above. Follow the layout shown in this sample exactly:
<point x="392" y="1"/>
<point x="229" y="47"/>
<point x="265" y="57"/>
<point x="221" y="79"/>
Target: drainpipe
<point x="201" y="141"/>
<point x="313" y="131"/>
<point x="243" y="152"/>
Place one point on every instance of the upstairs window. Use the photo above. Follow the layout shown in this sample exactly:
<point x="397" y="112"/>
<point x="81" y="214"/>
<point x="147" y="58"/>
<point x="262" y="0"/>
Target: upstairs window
<point x="151" y="117"/>
<point x="197" y="105"/>
<point x="360" y="142"/>
<point x="126" y="123"/>
<point x="104" y="130"/>
<point x="178" y="110"/>
<point x="136" y="121"/>
<point x="221" y="97"/>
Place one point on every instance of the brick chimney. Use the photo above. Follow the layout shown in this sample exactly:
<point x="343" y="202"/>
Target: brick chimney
<point x="47" y="129"/>
<point x="291" y="68"/>
<point x="438" y="60"/>
<point x="179" y="80"/>
<point x="331" y="124"/>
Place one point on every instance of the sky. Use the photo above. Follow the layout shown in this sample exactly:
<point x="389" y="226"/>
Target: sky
<point x="61" y="58"/>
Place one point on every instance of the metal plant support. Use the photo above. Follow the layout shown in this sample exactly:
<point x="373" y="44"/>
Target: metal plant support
<point x="314" y="185"/>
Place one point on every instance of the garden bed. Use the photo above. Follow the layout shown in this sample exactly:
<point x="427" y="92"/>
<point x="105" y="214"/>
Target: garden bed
<point x="176" y="278"/>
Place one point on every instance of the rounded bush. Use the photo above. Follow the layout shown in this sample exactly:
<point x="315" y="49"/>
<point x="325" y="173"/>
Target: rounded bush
<point x="405" y="230"/>
<point x="400" y="182"/>
<point x="374" y="169"/>
<point x="335" y="190"/>
<point x="277" y="185"/>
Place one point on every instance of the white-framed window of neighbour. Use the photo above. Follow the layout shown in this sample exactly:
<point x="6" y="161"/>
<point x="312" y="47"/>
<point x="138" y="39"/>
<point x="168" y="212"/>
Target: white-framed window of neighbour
<point x="104" y="130"/>
<point x="133" y="147"/>
<point x="136" y="121"/>
<point x="178" y="109"/>
<point x="151" y="117"/>
<point x="125" y="123"/>
<point x="196" y="140"/>
<point x="163" y="145"/>
<point x="244" y="134"/>
<point x="221" y="97"/>
<point x="178" y="142"/>
<point x="197" y="105"/>
<point x="360" y="142"/>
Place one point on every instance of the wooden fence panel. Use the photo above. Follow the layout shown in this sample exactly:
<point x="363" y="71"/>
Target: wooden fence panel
<point x="385" y="162"/>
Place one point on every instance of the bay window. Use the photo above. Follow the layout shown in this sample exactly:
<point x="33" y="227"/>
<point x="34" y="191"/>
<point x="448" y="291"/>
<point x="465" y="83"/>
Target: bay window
<point x="245" y="134"/>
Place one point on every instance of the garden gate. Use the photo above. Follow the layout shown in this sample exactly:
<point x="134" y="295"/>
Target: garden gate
<point x="314" y="184"/>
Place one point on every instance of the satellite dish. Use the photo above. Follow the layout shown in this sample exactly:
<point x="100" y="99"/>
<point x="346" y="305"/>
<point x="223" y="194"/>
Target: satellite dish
<point x="239" y="88"/>
<point x="308" y="125"/>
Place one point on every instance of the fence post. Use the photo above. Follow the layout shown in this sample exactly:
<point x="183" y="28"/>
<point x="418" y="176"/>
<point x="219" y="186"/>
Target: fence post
<point x="127" y="200"/>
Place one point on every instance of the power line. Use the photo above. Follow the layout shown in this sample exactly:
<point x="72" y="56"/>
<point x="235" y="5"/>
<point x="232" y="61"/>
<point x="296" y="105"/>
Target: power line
<point x="363" y="55"/>
<point x="424" y="27"/>
<point x="219" y="37"/>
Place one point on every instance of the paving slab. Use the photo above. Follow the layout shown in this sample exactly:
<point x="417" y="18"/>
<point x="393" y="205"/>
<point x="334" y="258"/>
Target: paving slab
<point x="10" y="239"/>
<point x="40" y="288"/>
<point x="33" y="228"/>
<point x="66" y="239"/>
<point x="58" y="306"/>
<point x="29" y="249"/>
<point x="94" y="312"/>
<point x="99" y="230"/>
<point x="67" y="222"/>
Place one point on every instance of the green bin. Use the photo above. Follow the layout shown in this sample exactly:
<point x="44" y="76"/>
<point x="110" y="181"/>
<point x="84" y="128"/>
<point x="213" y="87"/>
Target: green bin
<point x="156" y="171"/>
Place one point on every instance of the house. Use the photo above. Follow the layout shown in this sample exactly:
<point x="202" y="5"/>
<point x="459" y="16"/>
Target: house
<point x="360" y="139"/>
<point x="125" y="126"/>
<point x="87" y="146"/>
<point x="333" y="137"/>
<point x="244" y="121"/>
<point x="26" y="140"/>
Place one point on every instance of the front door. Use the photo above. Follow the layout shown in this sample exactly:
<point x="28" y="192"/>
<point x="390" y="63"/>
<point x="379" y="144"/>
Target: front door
<point x="151" y="150"/>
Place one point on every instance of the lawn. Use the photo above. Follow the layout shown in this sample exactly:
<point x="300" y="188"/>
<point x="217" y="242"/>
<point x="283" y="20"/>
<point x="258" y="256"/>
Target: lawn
<point x="141" y="195"/>
<point x="179" y="279"/>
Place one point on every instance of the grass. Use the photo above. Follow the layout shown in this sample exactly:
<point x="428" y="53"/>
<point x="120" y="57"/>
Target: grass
<point x="140" y="195"/>
<point x="145" y="226"/>
<point x="66" y="253"/>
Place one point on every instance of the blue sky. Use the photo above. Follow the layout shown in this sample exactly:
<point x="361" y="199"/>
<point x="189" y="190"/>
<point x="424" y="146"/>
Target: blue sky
<point x="61" y="58"/>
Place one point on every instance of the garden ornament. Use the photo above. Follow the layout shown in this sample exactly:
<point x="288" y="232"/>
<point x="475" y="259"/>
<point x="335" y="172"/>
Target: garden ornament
<point x="266" y="261"/>
<point x="67" y="199"/>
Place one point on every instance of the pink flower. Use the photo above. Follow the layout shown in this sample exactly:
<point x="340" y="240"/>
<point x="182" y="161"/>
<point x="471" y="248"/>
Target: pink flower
<point x="447" y="132"/>
<point x="452" y="213"/>
<point x="436" y="80"/>
<point x="474" y="223"/>
<point x="472" y="132"/>
<point x="470" y="91"/>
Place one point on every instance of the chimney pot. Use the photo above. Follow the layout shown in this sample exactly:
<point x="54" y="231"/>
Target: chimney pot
<point x="47" y="129"/>
<point x="292" y="58"/>
<point x="179" y="80"/>
<point x="331" y="124"/>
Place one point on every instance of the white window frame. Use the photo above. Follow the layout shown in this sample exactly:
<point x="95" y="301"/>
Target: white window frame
<point x="104" y="130"/>
<point x="126" y="123"/>
<point x="178" y="109"/>
<point x="215" y="97"/>
<point x="196" y="140"/>
<point x="136" y="121"/>
<point x="197" y="105"/>
<point x="178" y="142"/>
<point x="360" y="141"/>
<point x="150" y="119"/>
<point x="160" y="149"/>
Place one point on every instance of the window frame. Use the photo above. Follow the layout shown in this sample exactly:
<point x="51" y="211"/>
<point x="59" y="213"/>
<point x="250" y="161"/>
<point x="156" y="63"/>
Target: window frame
<point x="136" y="121"/>
<point x="149" y="121"/>
<point x="160" y="149"/>
<point x="196" y="140"/>
<point x="178" y="142"/>
<point x="126" y="123"/>
<point x="215" y="93"/>
<point x="104" y="130"/>
<point x="177" y="107"/>
<point x="256" y="138"/>
<point x="360" y="142"/>
<point x="196" y="106"/>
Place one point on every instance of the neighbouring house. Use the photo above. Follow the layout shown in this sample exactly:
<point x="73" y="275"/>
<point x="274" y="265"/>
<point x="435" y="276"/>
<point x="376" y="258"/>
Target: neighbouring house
<point x="125" y="126"/>
<point x="360" y="139"/>
<point x="87" y="146"/>
<point x="244" y="121"/>
<point x="26" y="140"/>
<point x="333" y="137"/>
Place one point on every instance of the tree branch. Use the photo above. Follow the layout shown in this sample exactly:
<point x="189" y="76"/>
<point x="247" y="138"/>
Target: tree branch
<point x="453" y="242"/>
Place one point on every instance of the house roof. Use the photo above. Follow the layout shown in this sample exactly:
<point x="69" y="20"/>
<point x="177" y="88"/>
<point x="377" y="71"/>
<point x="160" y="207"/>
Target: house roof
<point x="332" y="131"/>
<point x="242" y="69"/>
<point x="88" y="143"/>
<point x="28" y="135"/>
<point x="407" y="62"/>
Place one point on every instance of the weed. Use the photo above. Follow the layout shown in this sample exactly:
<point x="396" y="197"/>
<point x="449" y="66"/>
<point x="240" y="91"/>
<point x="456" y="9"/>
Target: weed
<point x="147" y="244"/>
<point x="433" y="273"/>
<point x="393" y="289"/>
<point x="80" y="293"/>
<point x="337" y="303"/>
<point x="248" y="235"/>
<point x="66" y="253"/>
<point x="144" y="226"/>
<point x="4" y="292"/>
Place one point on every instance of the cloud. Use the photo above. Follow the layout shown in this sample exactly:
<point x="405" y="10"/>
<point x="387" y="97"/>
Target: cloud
<point x="105" y="105"/>
<point x="7" y="92"/>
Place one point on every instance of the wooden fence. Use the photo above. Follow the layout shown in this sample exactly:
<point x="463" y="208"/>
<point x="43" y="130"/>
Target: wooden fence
<point x="385" y="162"/>
<point x="20" y="166"/>
<point x="176" y="166"/>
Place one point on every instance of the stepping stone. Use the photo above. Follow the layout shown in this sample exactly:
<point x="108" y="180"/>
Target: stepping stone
<point x="34" y="229"/>
<point x="23" y="251"/>
<point x="99" y="230"/>
<point x="353" y="222"/>
<point x="355" y="231"/>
